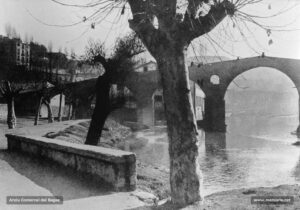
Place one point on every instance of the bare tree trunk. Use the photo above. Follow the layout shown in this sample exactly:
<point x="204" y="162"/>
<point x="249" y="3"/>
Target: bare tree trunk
<point x="74" y="107"/>
<point x="60" y="106"/>
<point x="56" y="74"/>
<point x="11" y="116"/>
<point x="101" y="111"/>
<point x="70" y="111"/>
<point x="49" y="109"/>
<point x="185" y="174"/>
<point x="37" y="114"/>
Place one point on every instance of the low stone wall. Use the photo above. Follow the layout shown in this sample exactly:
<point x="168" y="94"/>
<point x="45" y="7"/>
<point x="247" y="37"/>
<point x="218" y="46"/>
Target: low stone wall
<point x="115" y="167"/>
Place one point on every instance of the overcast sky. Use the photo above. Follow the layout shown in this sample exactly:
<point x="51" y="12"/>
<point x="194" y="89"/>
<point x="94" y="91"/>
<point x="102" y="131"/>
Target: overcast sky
<point x="21" y="14"/>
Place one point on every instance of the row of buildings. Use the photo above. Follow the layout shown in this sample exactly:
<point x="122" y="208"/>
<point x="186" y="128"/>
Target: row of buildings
<point x="14" y="51"/>
<point x="34" y="56"/>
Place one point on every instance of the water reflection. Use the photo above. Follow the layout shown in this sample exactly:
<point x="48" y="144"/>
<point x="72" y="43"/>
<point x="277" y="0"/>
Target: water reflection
<point x="215" y="152"/>
<point x="215" y="144"/>
<point x="220" y="169"/>
<point x="232" y="160"/>
<point x="150" y="146"/>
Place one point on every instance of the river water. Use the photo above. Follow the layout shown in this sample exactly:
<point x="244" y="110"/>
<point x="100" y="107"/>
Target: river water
<point x="255" y="151"/>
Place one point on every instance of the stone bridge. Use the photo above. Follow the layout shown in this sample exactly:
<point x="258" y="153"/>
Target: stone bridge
<point x="144" y="84"/>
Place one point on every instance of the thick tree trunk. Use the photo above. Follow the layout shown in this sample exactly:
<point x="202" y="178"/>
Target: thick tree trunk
<point x="185" y="174"/>
<point x="37" y="114"/>
<point x="101" y="111"/>
<point x="50" y="113"/>
<point x="168" y="44"/>
<point x="60" y="108"/>
<point x="11" y="116"/>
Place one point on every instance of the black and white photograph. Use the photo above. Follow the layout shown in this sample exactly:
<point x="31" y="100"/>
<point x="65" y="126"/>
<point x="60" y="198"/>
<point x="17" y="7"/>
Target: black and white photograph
<point x="149" y="104"/>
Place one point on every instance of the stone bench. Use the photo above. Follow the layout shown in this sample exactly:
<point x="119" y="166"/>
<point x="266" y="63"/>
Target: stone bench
<point x="115" y="167"/>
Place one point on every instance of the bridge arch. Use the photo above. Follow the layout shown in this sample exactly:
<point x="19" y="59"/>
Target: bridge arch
<point x="227" y="72"/>
<point x="244" y="94"/>
<point x="268" y="70"/>
<point x="285" y="71"/>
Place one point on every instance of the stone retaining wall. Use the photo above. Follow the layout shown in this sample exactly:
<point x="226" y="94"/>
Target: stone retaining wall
<point x="116" y="167"/>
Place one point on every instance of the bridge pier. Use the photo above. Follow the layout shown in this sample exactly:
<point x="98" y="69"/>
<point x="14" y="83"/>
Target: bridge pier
<point x="214" y="115"/>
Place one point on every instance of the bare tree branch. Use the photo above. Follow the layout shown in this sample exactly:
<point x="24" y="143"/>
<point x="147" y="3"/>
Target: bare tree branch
<point x="195" y="27"/>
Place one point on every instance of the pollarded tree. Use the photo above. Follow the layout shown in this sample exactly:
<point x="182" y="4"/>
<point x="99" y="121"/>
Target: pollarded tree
<point x="44" y="95"/>
<point x="116" y="68"/>
<point x="10" y="90"/>
<point x="168" y="43"/>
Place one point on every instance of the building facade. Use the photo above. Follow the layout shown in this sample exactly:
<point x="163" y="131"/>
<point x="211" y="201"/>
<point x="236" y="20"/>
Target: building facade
<point x="22" y="53"/>
<point x="149" y="66"/>
<point x="14" y="52"/>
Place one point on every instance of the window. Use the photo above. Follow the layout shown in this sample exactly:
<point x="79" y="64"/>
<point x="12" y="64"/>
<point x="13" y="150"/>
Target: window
<point x="145" y="68"/>
<point x="158" y="98"/>
<point x="158" y="102"/>
<point x="200" y="64"/>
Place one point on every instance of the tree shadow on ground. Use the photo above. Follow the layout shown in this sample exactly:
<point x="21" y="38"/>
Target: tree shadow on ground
<point x="59" y="180"/>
